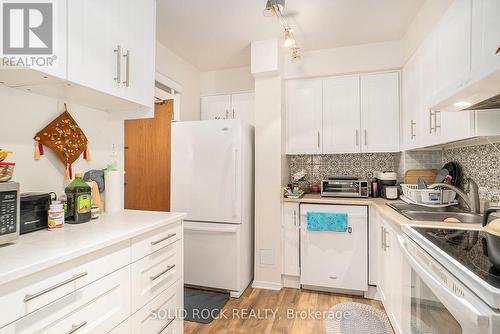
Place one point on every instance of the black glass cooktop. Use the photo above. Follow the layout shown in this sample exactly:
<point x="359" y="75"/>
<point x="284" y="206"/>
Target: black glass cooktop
<point x="467" y="247"/>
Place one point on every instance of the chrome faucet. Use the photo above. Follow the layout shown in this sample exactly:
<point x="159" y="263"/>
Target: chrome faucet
<point x="472" y="199"/>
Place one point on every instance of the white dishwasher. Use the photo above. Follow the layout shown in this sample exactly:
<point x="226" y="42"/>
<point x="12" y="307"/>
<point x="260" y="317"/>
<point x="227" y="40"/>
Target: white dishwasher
<point x="336" y="260"/>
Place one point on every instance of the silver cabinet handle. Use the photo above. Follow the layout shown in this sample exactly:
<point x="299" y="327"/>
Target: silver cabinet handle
<point x="166" y="325"/>
<point x="431" y="115"/>
<point x="234" y="114"/>
<point x="357" y="137"/>
<point x="171" y="235"/>
<point x="27" y="298"/>
<point x="413" y="135"/>
<point x="319" y="140"/>
<point x="436" y="124"/>
<point x="382" y="235"/>
<point x="295" y="218"/>
<point x="127" y="69"/>
<point x="366" y="137"/>
<point x="333" y="277"/>
<point x="74" y="328"/>
<point x="386" y="245"/>
<point x="118" y="52"/>
<point x="227" y="114"/>
<point x="153" y="278"/>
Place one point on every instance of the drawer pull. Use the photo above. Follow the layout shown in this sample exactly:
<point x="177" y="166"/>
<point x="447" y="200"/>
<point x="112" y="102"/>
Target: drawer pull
<point x="74" y="328"/>
<point x="163" y="272"/>
<point x="166" y="325"/>
<point x="163" y="239"/>
<point x="58" y="285"/>
<point x="333" y="277"/>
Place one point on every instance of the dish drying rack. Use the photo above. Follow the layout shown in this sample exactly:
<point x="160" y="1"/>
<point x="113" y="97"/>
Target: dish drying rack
<point x="428" y="197"/>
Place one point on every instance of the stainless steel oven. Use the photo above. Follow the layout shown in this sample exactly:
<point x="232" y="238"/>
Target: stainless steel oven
<point x="338" y="187"/>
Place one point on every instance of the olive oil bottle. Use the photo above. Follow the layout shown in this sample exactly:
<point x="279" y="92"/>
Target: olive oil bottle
<point x="79" y="201"/>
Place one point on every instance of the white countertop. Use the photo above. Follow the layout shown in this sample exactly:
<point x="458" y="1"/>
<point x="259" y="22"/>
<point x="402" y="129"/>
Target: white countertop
<point x="43" y="249"/>
<point x="380" y="204"/>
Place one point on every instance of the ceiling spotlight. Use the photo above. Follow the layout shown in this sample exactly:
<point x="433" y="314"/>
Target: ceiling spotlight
<point x="272" y="6"/>
<point x="289" y="39"/>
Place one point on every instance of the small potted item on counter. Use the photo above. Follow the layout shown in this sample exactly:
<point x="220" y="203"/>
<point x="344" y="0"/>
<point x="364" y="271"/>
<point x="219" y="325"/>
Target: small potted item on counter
<point x="56" y="216"/>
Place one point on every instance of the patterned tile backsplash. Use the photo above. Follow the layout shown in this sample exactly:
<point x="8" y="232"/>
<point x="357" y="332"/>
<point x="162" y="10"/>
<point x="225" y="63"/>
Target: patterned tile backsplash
<point x="318" y="167"/>
<point x="482" y="164"/>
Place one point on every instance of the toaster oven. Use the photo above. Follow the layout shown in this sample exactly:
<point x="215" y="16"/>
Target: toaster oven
<point x="9" y="212"/>
<point x="344" y="187"/>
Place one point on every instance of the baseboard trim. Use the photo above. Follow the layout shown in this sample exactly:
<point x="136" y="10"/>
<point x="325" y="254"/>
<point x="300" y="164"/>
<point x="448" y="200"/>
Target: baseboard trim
<point x="266" y="285"/>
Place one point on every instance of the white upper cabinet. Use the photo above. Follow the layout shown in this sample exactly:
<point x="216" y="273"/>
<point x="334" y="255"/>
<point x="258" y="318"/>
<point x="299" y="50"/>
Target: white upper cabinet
<point x="411" y="104"/>
<point x="304" y="102"/>
<point x="234" y="106"/>
<point x="454" y="46"/>
<point x="485" y="34"/>
<point x="111" y="47"/>
<point x="215" y="107"/>
<point x="341" y="115"/>
<point x="380" y="112"/>
<point x="93" y="44"/>
<point x="242" y="107"/>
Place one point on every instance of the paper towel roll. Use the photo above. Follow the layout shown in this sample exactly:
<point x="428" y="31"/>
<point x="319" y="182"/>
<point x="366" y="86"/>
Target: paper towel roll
<point x="113" y="194"/>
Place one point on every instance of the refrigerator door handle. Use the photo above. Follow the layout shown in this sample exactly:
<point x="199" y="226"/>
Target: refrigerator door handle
<point x="235" y="188"/>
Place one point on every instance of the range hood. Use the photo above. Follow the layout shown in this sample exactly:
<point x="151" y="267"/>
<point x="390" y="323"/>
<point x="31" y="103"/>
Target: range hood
<point x="491" y="103"/>
<point x="479" y="91"/>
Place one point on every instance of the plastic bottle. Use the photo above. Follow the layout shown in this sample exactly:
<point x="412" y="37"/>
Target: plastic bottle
<point x="79" y="201"/>
<point x="56" y="216"/>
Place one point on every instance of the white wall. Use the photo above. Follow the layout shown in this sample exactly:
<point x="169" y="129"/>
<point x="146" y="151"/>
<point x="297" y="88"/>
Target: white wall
<point x="226" y="81"/>
<point x="423" y="23"/>
<point x="353" y="59"/>
<point x="172" y="66"/>
<point x="24" y="114"/>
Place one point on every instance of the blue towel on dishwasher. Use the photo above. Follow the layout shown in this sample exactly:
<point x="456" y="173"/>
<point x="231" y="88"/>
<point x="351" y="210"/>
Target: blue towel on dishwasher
<point x="327" y="221"/>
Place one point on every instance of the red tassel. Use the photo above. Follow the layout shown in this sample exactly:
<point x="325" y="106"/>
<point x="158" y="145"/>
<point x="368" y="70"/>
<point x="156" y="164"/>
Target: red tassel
<point x="85" y="154"/>
<point x="70" y="172"/>
<point x="40" y="148"/>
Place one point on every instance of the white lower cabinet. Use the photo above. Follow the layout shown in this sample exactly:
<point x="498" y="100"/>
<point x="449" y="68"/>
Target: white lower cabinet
<point x="337" y="260"/>
<point x="290" y="227"/>
<point x="96" y="308"/>
<point x="394" y="279"/>
<point x="133" y="286"/>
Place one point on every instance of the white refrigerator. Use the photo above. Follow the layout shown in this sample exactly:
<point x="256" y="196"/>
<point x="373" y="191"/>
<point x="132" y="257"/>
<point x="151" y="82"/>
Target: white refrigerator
<point x="212" y="181"/>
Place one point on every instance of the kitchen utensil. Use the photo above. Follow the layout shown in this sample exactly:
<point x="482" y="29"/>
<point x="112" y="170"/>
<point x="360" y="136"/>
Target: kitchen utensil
<point x="455" y="171"/>
<point x="421" y="183"/>
<point x="443" y="173"/>
<point x="428" y="196"/>
<point x="427" y="174"/>
<point x="492" y="229"/>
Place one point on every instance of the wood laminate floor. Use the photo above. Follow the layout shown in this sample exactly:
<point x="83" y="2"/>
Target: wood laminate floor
<point x="290" y="307"/>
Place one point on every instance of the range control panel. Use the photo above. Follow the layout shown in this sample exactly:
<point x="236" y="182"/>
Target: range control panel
<point x="8" y="212"/>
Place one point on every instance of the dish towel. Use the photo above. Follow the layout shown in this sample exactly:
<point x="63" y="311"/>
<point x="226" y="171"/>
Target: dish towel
<point x="327" y="221"/>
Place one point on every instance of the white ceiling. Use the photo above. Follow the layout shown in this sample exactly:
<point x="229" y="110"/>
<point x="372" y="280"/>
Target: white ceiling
<point x="216" y="34"/>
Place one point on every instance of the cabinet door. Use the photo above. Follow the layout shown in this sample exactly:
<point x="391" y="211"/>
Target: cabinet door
<point x="411" y="103"/>
<point x="93" y="41"/>
<point x="383" y="265"/>
<point x="380" y="112"/>
<point x="242" y="107"/>
<point x="290" y="227"/>
<point x="215" y="107"/>
<point x="137" y="34"/>
<point x="341" y="115"/>
<point x="304" y="116"/>
<point x="454" y="45"/>
<point x="485" y="32"/>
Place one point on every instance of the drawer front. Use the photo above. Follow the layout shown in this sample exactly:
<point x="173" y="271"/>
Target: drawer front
<point x="154" y="273"/>
<point x="33" y="292"/>
<point x="148" y="243"/>
<point x="96" y="308"/>
<point x="123" y="328"/>
<point x="162" y="314"/>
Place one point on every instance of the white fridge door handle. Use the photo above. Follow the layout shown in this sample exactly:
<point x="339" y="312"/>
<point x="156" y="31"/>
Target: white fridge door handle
<point x="235" y="188"/>
<point x="459" y="307"/>
<point x="211" y="229"/>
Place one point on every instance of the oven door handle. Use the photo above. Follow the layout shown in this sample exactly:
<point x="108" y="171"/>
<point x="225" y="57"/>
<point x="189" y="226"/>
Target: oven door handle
<point x="459" y="307"/>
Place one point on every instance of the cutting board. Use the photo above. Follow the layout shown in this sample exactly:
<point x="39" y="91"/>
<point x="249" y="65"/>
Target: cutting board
<point x="428" y="174"/>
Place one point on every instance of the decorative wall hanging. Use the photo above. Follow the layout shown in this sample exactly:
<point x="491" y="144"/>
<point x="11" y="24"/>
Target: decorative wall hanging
<point x="65" y="137"/>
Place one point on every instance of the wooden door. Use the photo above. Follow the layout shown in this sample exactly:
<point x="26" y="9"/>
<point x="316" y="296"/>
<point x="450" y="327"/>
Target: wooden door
<point x="147" y="160"/>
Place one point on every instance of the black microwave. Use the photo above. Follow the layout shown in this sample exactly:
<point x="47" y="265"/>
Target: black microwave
<point x="34" y="212"/>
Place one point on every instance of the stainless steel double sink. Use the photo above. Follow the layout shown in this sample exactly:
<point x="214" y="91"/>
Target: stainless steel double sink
<point x="422" y="213"/>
